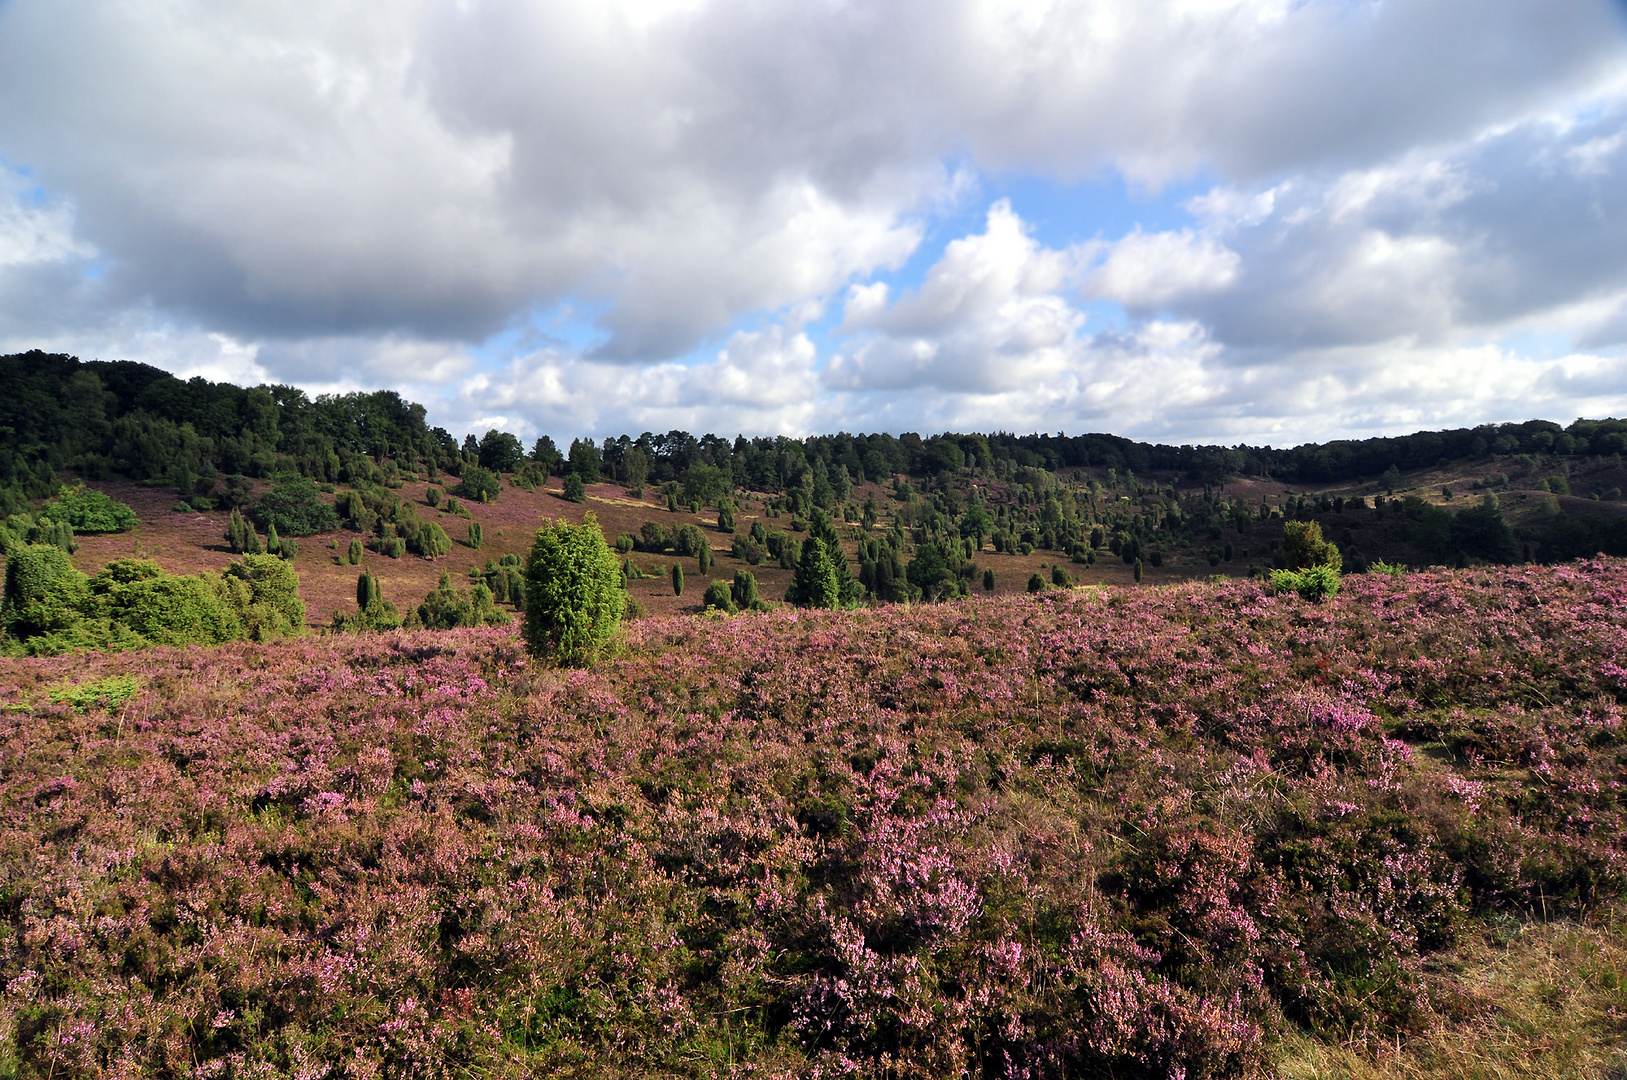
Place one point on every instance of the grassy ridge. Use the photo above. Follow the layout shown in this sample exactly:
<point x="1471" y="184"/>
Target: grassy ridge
<point x="1128" y="833"/>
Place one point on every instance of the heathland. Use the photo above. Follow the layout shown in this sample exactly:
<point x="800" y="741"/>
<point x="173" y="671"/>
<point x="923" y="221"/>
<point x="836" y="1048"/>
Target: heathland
<point x="1099" y="767"/>
<point x="1194" y="830"/>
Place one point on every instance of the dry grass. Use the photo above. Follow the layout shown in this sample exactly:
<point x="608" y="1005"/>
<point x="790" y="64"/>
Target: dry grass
<point x="1538" y="1001"/>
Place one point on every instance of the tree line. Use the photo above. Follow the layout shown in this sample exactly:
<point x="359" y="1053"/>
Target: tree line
<point x="102" y="419"/>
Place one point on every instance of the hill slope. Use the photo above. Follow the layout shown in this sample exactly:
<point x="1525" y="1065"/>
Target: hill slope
<point x="1126" y="832"/>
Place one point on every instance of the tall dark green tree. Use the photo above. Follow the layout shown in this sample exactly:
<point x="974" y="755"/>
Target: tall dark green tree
<point x="815" y="583"/>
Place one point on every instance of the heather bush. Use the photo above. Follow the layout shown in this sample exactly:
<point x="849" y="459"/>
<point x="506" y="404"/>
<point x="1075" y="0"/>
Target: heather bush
<point x="574" y="594"/>
<point x="1131" y="833"/>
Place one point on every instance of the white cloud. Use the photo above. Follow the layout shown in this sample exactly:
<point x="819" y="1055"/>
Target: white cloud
<point x="1147" y="269"/>
<point x="340" y="194"/>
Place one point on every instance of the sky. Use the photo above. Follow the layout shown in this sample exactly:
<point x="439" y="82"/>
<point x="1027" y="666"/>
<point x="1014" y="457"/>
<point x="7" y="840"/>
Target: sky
<point x="1187" y="221"/>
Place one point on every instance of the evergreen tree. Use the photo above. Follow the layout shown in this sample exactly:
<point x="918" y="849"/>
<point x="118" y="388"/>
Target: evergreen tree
<point x="725" y="517"/>
<point x="815" y="583"/>
<point x="1138" y="571"/>
<point x="677" y="579"/>
<point x="476" y="535"/>
<point x="367" y="590"/>
<point x="273" y="542"/>
<point x="237" y="531"/>
<point x="988" y="580"/>
<point x="744" y="590"/>
<point x="354" y="554"/>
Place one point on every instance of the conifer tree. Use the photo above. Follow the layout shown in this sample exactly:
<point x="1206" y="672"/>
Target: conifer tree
<point x="677" y="580"/>
<point x="744" y="589"/>
<point x="815" y="583"/>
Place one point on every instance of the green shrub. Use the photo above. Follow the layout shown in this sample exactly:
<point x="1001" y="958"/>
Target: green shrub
<point x="677" y="580"/>
<point x="90" y="511"/>
<point x="725" y="517"/>
<point x="447" y="607"/>
<point x="373" y="612"/>
<point x="1314" y="583"/>
<point x="476" y="535"/>
<point x="354" y="554"/>
<point x="432" y="496"/>
<point x="575" y="490"/>
<point x="432" y="541"/>
<point x="988" y="580"/>
<point x="44" y="592"/>
<point x="1036" y="583"/>
<point x="108" y="693"/>
<point x="481" y="485"/>
<point x="625" y="543"/>
<point x="273" y="607"/>
<point x="288" y="549"/>
<point x="815" y="583"/>
<point x="1303" y="546"/>
<point x="718" y="597"/>
<point x="173" y="610"/>
<point x="573" y="593"/>
<point x="295" y="507"/>
<point x="1061" y="578"/>
<point x="744" y="590"/>
<point x="1394" y="570"/>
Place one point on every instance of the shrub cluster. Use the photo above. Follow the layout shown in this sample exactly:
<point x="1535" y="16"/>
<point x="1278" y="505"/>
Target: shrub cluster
<point x="50" y="607"/>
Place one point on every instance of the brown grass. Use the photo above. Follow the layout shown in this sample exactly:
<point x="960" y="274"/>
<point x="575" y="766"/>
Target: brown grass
<point x="1527" y="1001"/>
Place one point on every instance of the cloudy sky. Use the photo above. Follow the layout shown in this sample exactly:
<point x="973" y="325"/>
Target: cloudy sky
<point x="1181" y="220"/>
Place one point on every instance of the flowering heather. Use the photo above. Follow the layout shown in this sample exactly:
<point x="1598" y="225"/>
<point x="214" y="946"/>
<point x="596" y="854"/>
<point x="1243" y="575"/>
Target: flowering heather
<point x="1126" y="833"/>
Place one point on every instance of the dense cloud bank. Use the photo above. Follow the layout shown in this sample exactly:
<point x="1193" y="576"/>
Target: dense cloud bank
<point x="729" y="215"/>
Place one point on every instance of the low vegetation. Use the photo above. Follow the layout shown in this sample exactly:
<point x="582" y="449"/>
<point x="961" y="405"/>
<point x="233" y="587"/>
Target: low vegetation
<point x="1203" y="830"/>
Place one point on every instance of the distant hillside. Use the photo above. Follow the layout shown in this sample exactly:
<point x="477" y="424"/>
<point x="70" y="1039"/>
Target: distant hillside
<point x="123" y="419"/>
<point x="367" y="486"/>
